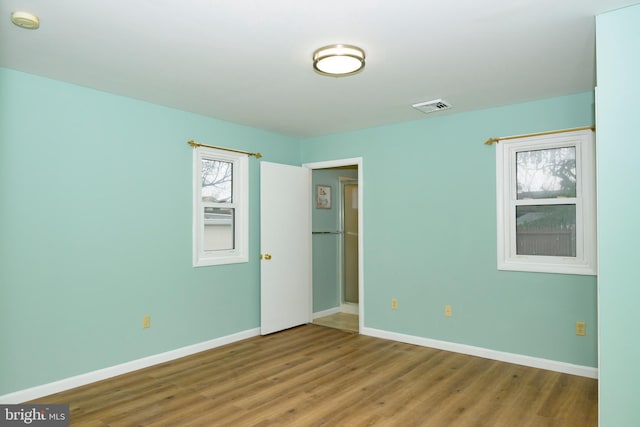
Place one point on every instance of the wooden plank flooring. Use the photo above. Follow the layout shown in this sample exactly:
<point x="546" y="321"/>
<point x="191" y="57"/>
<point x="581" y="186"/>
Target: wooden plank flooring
<point x="318" y="376"/>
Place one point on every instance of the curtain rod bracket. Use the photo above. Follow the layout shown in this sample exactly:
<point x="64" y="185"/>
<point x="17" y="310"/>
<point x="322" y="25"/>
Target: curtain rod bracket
<point x="195" y="145"/>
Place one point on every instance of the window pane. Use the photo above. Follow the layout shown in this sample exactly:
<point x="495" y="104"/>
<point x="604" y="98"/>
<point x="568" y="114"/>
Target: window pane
<point x="546" y="230"/>
<point x="219" y="229"/>
<point x="543" y="174"/>
<point x="217" y="181"/>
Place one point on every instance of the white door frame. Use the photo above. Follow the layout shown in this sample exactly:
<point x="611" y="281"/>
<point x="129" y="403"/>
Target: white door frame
<point x="350" y="162"/>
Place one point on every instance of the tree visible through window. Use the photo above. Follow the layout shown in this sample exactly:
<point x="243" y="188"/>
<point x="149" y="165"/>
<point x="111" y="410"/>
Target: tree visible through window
<point x="546" y="203"/>
<point x="546" y="175"/>
<point x="220" y="217"/>
<point x="217" y="194"/>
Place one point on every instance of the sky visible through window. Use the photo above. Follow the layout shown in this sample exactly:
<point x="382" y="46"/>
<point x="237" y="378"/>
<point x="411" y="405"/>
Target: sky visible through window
<point x="217" y="181"/>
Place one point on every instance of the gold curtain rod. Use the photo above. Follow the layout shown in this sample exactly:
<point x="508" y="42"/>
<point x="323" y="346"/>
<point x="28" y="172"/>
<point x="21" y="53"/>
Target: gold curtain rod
<point x="497" y="140"/>
<point x="195" y="144"/>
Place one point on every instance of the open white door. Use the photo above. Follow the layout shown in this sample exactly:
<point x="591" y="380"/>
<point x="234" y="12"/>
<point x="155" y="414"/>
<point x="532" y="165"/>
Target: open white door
<point x="285" y="245"/>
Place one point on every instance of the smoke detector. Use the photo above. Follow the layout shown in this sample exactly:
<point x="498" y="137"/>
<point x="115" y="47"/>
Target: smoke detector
<point x="431" y="106"/>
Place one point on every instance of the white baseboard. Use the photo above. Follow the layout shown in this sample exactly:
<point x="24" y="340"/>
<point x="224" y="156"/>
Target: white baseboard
<point x="134" y="365"/>
<point x="343" y="308"/>
<point x="328" y="312"/>
<point x="349" y="308"/>
<point x="518" y="359"/>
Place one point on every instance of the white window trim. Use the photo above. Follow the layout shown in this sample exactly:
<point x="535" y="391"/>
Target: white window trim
<point x="585" y="261"/>
<point x="240" y="203"/>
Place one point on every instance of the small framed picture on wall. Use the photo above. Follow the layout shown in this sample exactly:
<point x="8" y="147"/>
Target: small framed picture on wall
<point x="323" y="197"/>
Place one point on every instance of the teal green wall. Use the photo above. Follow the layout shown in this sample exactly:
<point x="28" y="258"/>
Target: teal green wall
<point x="618" y="61"/>
<point x="326" y="262"/>
<point x="96" y="231"/>
<point x="430" y="234"/>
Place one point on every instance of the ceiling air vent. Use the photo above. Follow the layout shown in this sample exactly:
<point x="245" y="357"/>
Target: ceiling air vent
<point x="431" y="106"/>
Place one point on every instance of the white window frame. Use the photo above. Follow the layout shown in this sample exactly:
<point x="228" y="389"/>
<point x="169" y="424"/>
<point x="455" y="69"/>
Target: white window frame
<point x="240" y="204"/>
<point x="585" y="260"/>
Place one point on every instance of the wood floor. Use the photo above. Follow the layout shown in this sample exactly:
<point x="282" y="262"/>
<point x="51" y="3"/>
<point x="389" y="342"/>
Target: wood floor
<point x="318" y="376"/>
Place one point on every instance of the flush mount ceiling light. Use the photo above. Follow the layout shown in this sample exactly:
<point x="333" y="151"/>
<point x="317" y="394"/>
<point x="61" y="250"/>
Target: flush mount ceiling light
<point x="25" y="20"/>
<point x="338" y="60"/>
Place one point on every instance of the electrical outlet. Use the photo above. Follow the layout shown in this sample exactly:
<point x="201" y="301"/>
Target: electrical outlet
<point x="581" y="329"/>
<point x="394" y="303"/>
<point x="448" y="311"/>
<point x="146" y="321"/>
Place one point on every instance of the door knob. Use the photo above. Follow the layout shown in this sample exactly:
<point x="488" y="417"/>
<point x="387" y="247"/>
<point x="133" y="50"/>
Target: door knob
<point x="267" y="257"/>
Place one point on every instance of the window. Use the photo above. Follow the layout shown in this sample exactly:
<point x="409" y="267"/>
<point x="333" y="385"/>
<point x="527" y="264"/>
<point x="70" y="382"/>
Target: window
<point x="546" y="203"/>
<point x="220" y="207"/>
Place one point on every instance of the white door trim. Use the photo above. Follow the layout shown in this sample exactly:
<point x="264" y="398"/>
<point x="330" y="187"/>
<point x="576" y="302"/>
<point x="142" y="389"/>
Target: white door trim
<point x="349" y="162"/>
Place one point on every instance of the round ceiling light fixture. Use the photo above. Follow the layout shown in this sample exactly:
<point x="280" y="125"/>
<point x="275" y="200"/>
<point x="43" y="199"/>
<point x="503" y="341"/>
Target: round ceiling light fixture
<point x="25" y="20"/>
<point x="338" y="60"/>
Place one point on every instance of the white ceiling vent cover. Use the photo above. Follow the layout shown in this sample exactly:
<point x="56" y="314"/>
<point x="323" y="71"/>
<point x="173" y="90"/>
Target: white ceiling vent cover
<point x="431" y="106"/>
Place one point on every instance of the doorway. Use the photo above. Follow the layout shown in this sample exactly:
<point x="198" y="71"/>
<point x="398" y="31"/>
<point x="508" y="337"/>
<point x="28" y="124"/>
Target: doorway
<point x="337" y="285"/>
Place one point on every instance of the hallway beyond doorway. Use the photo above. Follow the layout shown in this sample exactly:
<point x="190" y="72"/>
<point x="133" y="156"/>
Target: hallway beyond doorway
<point x="343" y="321"/>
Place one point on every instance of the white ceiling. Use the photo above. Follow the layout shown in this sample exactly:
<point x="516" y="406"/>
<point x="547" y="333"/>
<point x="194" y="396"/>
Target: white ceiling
<point x="249" y="61"/>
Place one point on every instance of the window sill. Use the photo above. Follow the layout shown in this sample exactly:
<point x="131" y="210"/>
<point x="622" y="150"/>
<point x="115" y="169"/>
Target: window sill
<point x="548" y="267"/>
